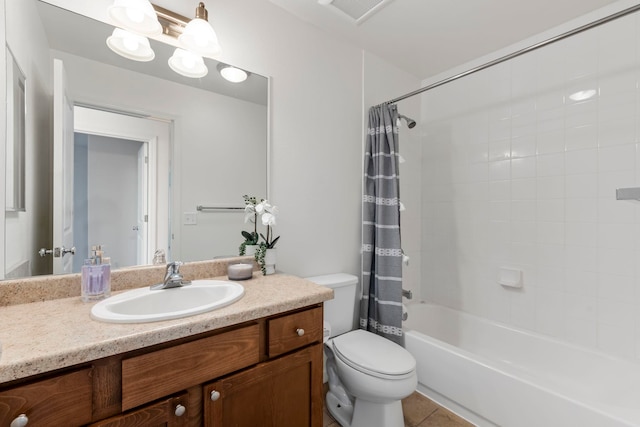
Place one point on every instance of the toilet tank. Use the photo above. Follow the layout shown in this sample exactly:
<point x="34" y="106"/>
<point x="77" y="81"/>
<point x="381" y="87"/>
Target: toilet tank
<point x="339" y="311"/>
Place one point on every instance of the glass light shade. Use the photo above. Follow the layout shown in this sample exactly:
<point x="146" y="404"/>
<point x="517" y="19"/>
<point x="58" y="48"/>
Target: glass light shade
<point x="233" y="74"/>
<point x="188" y="64"/>
<point x="199" y="37"/>
<point x="135" y="15"/>
<point x="131" y="46"/>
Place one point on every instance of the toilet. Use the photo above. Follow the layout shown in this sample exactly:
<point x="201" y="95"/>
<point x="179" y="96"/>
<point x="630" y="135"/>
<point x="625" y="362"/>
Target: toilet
<point x="368" y="375"/>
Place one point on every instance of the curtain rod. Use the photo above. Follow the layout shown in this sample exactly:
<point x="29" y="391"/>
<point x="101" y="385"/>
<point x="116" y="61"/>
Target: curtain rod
<point x="519" y="52"/>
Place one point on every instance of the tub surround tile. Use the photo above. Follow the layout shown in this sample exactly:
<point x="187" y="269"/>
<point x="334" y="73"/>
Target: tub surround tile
<point x="41" y="336"/>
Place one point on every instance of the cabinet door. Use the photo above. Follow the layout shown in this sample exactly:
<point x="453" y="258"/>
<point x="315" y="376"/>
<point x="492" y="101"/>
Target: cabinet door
<point x="64" y="400"/>
<point x="169" y="412"/>
<point x="285" y="392"/>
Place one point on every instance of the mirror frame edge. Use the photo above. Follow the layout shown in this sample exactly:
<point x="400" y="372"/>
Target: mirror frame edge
<point x="3" y="132"/>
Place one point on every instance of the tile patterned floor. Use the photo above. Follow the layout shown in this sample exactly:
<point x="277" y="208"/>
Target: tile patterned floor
<point x="419" y="411"/>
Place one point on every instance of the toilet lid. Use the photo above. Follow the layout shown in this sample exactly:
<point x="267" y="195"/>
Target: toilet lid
<point x="373" y="354"/>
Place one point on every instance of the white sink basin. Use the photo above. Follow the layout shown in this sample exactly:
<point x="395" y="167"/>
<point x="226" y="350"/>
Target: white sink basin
<point x="146" y="305"/>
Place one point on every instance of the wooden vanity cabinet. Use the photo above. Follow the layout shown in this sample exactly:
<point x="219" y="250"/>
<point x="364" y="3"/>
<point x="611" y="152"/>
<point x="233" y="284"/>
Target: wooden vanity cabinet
<point x="285" y="390"/>
<point x="266" y="372"/>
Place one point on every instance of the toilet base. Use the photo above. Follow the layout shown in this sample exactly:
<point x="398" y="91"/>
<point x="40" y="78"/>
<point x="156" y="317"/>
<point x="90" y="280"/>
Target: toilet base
<point x="370" y="414"/>
<point x="340" y="412"/>
<point x="365" y="414"/>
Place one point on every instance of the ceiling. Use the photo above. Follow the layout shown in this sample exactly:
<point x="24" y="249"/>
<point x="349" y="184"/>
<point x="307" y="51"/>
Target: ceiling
<point x="428" y="37"/>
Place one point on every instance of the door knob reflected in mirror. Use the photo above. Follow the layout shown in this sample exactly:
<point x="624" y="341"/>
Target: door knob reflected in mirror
<point x="62" y="251"/>
<point x="43" y="252"/>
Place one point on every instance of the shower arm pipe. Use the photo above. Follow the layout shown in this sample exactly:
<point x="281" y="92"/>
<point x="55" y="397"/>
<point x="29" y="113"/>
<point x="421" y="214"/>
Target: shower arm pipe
<point x="517" y="53"/>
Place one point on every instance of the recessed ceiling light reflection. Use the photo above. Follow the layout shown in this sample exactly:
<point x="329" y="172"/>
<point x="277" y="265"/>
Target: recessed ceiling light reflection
<point x="582" y="95"/>
<point x="232" y="74"/>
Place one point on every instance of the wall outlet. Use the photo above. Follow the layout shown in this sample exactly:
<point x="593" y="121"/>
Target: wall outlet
<point x="190" y="218"/>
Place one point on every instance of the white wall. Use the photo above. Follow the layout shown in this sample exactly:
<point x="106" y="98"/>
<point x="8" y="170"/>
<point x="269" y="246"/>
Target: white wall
<point x="316" y="131"/>
<point x="517" y="174"/>
<point x="28" y="231"/>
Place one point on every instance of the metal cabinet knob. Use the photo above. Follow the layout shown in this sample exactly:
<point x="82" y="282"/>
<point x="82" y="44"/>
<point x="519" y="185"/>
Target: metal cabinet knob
<point x="180" y="410"/>
<point x="215" y="395"/>
<point x="20" y="421"/>
<point x="300" y="332"/>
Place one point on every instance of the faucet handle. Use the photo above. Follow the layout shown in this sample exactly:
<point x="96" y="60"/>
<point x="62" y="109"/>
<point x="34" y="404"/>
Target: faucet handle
<point x="174" y="267"/>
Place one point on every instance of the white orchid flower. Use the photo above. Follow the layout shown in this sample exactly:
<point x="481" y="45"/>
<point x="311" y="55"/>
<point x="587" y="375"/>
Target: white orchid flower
<point x="261" y="207"/>
<point x="268" y="219"/>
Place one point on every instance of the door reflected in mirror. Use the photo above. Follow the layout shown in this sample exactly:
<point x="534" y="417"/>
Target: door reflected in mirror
<point x="215" y="153"/>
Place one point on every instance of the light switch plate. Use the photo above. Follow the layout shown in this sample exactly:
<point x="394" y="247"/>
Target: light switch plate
<point x="190" y="218"/>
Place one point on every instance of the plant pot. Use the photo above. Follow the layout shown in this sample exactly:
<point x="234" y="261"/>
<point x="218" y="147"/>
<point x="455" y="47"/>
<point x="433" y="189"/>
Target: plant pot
<point x="250" y="250"/>
<point x="270" y="259"/>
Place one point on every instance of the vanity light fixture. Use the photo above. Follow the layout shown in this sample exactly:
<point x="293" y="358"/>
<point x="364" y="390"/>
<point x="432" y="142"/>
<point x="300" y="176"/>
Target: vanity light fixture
<point x="196" y="36"/>
<point x="131" y="46"/>
<point x="232" y="74"/>
<point x="199" y="36"/>
<point x="135" y="15"/>
<point x="188" y="64"/>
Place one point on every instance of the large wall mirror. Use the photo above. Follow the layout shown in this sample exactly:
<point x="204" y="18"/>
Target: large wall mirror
<point x="158" y="161"/>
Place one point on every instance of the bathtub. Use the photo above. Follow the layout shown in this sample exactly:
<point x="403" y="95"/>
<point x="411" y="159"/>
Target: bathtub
<point x="495" y="375"/>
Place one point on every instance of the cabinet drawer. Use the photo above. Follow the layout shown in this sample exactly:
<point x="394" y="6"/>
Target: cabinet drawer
<point x="64" y="400"/>
<point x="170" y="412"/>
<point x="295" y="330"/>
<point x="153" y="375"/>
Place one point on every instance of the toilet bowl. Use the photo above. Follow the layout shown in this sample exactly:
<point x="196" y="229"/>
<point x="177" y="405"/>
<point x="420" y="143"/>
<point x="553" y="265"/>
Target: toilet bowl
<point x="368" y="375"/>
<point x="376" y="373"/>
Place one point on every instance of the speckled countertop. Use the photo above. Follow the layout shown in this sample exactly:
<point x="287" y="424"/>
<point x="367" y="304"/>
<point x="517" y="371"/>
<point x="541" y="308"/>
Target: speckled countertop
<point x="41" y="336"/>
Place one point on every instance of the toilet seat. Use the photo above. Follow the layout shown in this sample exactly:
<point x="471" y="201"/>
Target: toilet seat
<point x="374" y="355"/>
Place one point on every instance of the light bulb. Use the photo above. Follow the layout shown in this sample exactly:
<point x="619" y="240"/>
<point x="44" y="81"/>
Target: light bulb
<point x="130" y="43"/>
<point x="135" y="15"/>
<point x="188" y="62"/>
<point x="131" y="46"/>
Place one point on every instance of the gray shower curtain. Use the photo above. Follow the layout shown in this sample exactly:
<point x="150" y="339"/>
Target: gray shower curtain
<point x="381" y="304"/>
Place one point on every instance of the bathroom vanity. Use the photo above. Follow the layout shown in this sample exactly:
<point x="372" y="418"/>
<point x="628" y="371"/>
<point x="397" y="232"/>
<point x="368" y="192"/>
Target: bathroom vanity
<point x="255" y="362"/>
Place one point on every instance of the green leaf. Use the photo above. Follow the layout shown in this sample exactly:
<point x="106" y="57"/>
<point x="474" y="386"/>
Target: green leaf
<point x="273" y="243"/>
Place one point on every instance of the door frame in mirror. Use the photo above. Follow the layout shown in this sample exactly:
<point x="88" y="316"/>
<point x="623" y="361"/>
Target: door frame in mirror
<point x="157" y="133"/>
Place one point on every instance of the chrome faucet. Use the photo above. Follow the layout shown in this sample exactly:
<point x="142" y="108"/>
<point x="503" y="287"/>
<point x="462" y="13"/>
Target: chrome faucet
<point x="172" y="278"/>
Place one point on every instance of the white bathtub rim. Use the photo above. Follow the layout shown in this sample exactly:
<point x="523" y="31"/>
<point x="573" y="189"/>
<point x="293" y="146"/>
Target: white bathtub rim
<point x="522" y="376"/>
<point x="519" y="374"/>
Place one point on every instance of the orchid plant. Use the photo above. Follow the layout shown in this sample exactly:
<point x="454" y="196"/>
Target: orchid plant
<point x="250" y="215"/>
<point x="267" y="214"/>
